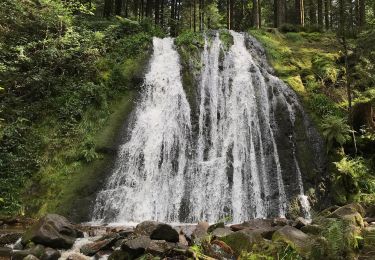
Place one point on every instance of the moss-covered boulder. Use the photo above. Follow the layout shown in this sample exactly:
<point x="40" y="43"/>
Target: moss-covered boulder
<point x="352" y="213"/>
<point x="295" y="238"/>
<point x="242" y="241"/>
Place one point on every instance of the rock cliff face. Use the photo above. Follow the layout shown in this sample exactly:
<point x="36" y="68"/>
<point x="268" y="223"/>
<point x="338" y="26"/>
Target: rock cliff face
<point x="241" y="146"/>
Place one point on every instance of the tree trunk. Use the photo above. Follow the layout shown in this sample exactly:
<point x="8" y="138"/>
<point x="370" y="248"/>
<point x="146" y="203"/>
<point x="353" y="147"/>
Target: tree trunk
<point x="157" y="11"/>
<point x="362" y="13"/>
<point x="279" y="13"/>
<point x="312" y="12"/>
<point x="108" y="8"/>
<point x="118" y="7"/>
<point x="229" y="14"/>
<point x="326" y="13"/>
<point x="256" y="14"/>
<point x="162" y="14"/>
<point x="195" y="15"/>
<point x="299" y="12"/>
<point x="320" y="13"/>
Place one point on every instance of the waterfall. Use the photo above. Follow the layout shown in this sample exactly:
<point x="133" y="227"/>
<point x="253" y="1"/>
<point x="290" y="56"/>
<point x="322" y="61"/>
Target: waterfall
<point x="241" y="163"/>
<point x="147" y="182"/>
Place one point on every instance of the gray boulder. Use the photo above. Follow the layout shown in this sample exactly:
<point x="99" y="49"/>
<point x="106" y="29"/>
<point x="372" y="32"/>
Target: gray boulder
<point x="54" y="231"/>
<point x="50" y="254"/>
<point x="221" y="232"/>
<point x="146" y="228"/>
<point x="200" y="232"/>
<point x="295" y="238"/>
<point x="165" y="232"/>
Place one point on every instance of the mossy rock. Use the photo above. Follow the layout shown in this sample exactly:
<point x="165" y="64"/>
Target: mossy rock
<point x="242" y="241"/>
<point x="295" y="238"/>
<point x="353" y="213"/>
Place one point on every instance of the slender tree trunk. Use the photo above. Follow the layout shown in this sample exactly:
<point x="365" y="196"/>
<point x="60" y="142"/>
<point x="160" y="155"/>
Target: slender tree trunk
<point x="256" y="14"/>
<point x="195" y="15"/>
<point x="126" y="8"/>
<point x="326" y="13"/>
<point x="320" y="13"/>
<point x="162" y="14"/>
<point x="260" y="13"/>
<point x="231" y="8"/>
<point x="229" y="14"/>
<point x="108" y="8"/>
<point x="299" y="12"/>
<point x="312" y="12"/>
<point x="118" y="7"/>
<point x="157" y="11"/>
<point x="279" y="12"/>
<point x="362" y="13"/>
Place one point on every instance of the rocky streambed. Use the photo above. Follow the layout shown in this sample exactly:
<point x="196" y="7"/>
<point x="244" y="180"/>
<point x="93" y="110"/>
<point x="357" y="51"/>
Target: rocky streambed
<point x="346" y="232"/>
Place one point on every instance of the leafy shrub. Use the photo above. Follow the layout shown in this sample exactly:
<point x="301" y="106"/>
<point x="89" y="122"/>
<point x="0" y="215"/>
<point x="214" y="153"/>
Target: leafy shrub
<point x="323" y="106"/>
<point x="335" y="130"/>
<point x="324" y="68"/>
<point x="191" y="40"/>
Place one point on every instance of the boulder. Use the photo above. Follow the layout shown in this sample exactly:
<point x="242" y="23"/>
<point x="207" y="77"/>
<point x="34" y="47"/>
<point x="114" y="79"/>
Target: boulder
<point x="352" y="213"/>
<point x="76" y="256"/>
<point x="253" y="224"/>
<point x="221" y="232"/>
<point x="182" y="240"/>
<point x="312" y="229"/>
<point x="92" y="248"/>
<point x="295" y="238"/>
<point x="31" y="257"/>
<point x="9" y="238"/>
<point x="215" y="226"/>
<point x="54" y="231"/>
<point x="165" y="232"/>
<point x="242" y="241"/>
<point x="104" y="243"/>
<point x="118" y="255"/>
<point x="37" y="250"/>
<point x="300" y="222"/>
<point x="5" y="252"/>
<point x="136" y="247"/>
<point x="50" y="254"/>
<point x="20" y="254"/>
<point x="280" y="222"/>
<point x="146" y="228"/>
<point x="265" y="232"/>
<point x="219" y="250"/>
<point x="159" y="247"/>
<point x="200" y="232"/>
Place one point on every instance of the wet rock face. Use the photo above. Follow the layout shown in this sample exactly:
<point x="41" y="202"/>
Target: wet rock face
<point x="54" y="231"/>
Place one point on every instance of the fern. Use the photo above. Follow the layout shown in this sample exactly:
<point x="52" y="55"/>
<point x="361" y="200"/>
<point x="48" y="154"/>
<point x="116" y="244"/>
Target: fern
<point x="335" y="129"/>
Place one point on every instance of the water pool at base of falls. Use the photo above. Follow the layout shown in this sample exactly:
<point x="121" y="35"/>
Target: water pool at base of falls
<point x="240" y="164"/>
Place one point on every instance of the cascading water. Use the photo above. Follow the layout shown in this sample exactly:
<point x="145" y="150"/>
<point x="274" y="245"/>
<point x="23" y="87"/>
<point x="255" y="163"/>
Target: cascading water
<point x="243" y="160"/>
<point x="151" y="164"/>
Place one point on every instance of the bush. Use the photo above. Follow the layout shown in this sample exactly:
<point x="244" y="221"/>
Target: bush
<point x="335" y="131"/>
<point x="287" y="27"/>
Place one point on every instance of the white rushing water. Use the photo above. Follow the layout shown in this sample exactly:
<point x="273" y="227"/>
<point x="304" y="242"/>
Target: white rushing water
<point x="147" y="182"/>
<point x="230" y="167"/>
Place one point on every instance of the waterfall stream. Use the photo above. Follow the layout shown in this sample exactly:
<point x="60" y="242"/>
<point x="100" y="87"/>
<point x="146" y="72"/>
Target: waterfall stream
<point x="242" y="163"/>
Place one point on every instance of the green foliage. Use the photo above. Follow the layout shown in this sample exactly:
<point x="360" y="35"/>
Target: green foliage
<point x="353" y="168"/>
<point x="191" y="40"/>
<point x="59" y="74"/>
<point x="335" y="130"/>
<point x="226" y="38"/>
<point x="289" y="253"/>
<point x="324" y="68"/>
<point x="253" y="256"/>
